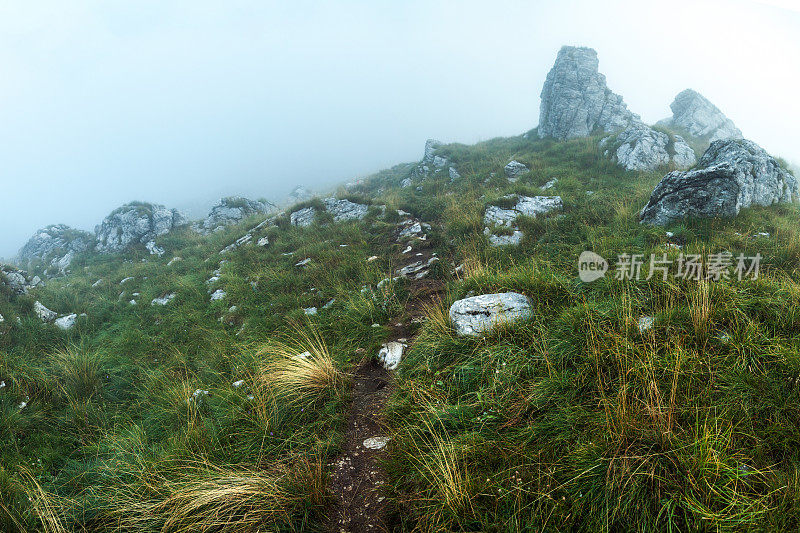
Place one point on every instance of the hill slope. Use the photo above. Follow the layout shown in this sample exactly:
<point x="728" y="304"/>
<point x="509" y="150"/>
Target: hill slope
<point x="228" y="414"/>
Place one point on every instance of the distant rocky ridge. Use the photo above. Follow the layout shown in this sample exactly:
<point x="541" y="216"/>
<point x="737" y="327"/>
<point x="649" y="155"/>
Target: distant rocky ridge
<point x="733" y="174"/>
<point x="694" y="114"/>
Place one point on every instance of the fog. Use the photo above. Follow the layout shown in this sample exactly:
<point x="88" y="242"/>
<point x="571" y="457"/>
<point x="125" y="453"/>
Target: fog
<point x="182" y="102"/>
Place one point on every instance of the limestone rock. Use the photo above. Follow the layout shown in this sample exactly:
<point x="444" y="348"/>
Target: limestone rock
<point x="391" y="354"/>
<point x="163" y="300"/>
<point x="53" y="248"/>
<point x="479" y="314"/>
<point x="431" y="145"/>
<point x="18" y="280"/>
<point x="67" y="322"/>
<point x="576" y="100"/>
<point x="44" y="314"/>
<point x="345" y="209"/>
<point x="640" y="147"/>
<point x="303" y="217"/>
<point x="231" y="210"/>
<point x="694" y="114"/>
<point x="136" y="223"/>
<point x="514" y="170"/>
<point x="530" y="206"/>
<point x="732" y="175"/>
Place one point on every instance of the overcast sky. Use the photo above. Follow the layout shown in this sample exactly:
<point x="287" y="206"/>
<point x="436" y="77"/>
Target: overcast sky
<point x="183" y="101"/>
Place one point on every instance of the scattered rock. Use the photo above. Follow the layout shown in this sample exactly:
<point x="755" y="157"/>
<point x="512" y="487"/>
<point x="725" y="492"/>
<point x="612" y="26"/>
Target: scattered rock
<point x="163" y="300"/>
<point x="417" y="270"/>
<point x="263" y="241"/>
<point x="431" y="145"/>
<point x="732" y="175"/>
<point x="135" y="223"/>
<point x="376" y="443"/>
<point x="479" y="314"/>
<point x="646" y="323"/>
<point x="576" y="100"/>
<point x="549" y="185"/>
<point x="218" y="294"/>
<point x="66" y="322"/>
<point x="514" y="170"/>
<point x="174" y="260"/>
<point x="454" y="175"/>
<point x="44" y="314"/>
<point x="310" y="311"/>
<point x="303" y="263"/>
<point x="406" y="183"/>
<point x="694" y="114"/>
<point x="391" y="354"/>
<point x="154" y="249"/>
<point x="504" y="240"/>
<point x="18" y="280"/>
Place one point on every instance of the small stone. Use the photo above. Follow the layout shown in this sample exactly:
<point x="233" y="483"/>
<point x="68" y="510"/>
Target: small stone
<point x="376" y="443"/>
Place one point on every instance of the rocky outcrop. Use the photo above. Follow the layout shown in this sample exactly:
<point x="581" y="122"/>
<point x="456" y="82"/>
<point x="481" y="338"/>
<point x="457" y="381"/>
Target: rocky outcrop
<point x="514" y="170"/>
<point x="229" y="211"/>
<point x="18" y="281"/>
<point x="576" y="101"/>
<point x="345" y="209"/>
<point x="640" y="147"/>
<point x="136" y="224"/>
<point x="52" y="249"/>
<point x="694" y="114"/>
<point x="479" y="314"/>
<point x="732" y="175"/>
<point x="431" y="145"/>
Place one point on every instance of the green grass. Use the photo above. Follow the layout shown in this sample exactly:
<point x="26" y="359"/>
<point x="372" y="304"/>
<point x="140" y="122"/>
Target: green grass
<point x="571" y="420"/>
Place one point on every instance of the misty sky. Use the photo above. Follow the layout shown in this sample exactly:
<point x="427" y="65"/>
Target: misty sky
<point x="180" y="102"/>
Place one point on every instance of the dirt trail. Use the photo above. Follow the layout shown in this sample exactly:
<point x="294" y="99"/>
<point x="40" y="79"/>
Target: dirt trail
<point x="357" y="478"/>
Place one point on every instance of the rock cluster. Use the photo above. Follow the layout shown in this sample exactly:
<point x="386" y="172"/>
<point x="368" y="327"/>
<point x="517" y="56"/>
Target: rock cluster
<point x="733" y="174"/>
<point x="640" y="147"/>
<point x="136" y="223"/>
<point x="576" y="100"/>
<point x="231" y="210"/>
<point x="299" y="194"/>
<point x="18" y="280"/>
<point x="479" y="314"/>
<point x="530" y="206"/>
<point x="694" y="114"/>
<point x="53" y="248"/>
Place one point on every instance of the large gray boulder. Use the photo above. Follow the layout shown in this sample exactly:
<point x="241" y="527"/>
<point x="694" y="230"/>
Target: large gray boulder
<point x="640" y="147"/>
<point x="136" y="223"/>
<point x="732" y="175"/>
<point x="52" y="248"/>
<point x="576" y="100"/>
<point x="231" y="210"/>
<point x="479" y="314"/>
<point x="514" y="170"/>
<point x="303" y="217"/>
<point x="694" y="114"/>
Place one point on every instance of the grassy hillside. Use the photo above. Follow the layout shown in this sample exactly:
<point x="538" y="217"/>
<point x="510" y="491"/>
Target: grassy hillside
<point x="199" y="416"/>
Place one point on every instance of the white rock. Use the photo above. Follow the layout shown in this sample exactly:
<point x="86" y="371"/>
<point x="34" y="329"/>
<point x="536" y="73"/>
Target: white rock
<point x="310" y="311"/>
<point x="218" y="294"/>
<point x="164" y="300"/>
<point x="550" y="184"/>
<point x="66" y="322"/>
<point x="237" y="384"/>
<point x="391" y="354"/>
<point x="303" y="217"/>
<point x="153" y="249"/>
<point x="44" y="314"/>
<point x="376" y="443"/>
<point x="304" y="262"/>
<point x="126" y="280"/>
<point x="479" y="314"/>
<point x="646" y="323"/>
<point x="174" y="260"/>
<point x="97" y="283"/>
<point x="263" y="241"/>
<point x="514" y="170"/>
